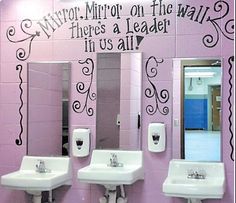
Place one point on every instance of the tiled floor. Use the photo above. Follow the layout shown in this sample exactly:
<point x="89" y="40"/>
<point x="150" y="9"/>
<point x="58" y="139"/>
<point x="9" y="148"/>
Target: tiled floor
<point x="202" y="145"/>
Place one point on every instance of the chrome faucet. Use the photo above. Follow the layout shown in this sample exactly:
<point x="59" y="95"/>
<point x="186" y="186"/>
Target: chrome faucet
<point x="201" y="174"/>
<point x="114" y="161"/>
<point x="41" y="168"/>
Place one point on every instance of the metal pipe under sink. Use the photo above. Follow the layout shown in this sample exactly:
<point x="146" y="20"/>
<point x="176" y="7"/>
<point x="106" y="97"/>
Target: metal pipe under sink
<point x="110" y="196"/>
<point x="191" y="200"/>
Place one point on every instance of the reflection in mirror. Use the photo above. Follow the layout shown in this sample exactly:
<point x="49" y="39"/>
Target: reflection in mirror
<point x="118" y="101"/>
<point x="202" y="110"/>
<point x="48" y="97"/>
<point x="200" y="115"/>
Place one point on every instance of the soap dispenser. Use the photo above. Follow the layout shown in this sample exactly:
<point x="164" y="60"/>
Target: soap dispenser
<point x="80" y="142"/>
<point x="156" y="137"/>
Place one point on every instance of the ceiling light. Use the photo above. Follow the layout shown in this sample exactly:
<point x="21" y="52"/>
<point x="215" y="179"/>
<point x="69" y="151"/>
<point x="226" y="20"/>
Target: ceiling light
<point x="197" y="68"/>
<point x="199" y="74"/>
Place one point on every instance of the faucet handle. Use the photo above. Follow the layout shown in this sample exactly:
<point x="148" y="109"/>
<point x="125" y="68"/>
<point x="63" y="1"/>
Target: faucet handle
<point x="113" y="155"/>
<point x="190" y="173"/>
<point x="202" y="172"/>
<point x="40" y="161"/>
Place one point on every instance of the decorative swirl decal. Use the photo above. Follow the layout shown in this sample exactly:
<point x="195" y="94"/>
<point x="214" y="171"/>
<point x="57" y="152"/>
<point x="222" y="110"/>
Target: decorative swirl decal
<point x="151" y="92"/>
<point x="21" y="53"/>
<point x="228" y="29"/>
<point x="230" y="61"/>
<point x="81" y="88"/>
<point x="19" y="141"/>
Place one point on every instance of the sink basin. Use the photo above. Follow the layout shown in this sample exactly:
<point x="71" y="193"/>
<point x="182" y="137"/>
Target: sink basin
<point x="100" y="172"/>
<point x="26" y="178"/>
<point x="178" y="184"/>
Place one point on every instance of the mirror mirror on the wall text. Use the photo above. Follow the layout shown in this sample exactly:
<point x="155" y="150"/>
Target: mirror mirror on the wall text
<point x="118" y="101"/>
<point x="48" y="98"/>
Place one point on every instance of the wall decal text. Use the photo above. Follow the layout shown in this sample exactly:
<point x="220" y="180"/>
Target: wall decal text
<point x="128" y="28"/>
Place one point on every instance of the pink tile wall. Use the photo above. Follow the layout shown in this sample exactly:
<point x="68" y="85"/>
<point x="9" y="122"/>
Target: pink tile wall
<point x="130" y="104"/>
<point x="176" y="108"/>
<point x="184" y="39"/>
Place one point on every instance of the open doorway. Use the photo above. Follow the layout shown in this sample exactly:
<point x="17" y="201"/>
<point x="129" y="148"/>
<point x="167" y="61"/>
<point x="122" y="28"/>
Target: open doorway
<point x="215" y="107"/>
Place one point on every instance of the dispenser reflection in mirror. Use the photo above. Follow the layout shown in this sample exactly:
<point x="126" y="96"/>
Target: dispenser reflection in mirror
<point x="118" y="101"/>
<point x="197" y="85"/>
<point x="48" y="98"/>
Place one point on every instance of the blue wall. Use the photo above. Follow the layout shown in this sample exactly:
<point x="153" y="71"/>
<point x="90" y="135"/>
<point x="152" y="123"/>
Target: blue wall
<point x="195" y="113"/>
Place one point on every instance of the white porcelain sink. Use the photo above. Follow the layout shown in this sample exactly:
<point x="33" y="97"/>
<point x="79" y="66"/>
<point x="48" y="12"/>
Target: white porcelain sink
<point x="26" y="178"/>
<point x="100" y="172"/>
<point x="195" y="180"/>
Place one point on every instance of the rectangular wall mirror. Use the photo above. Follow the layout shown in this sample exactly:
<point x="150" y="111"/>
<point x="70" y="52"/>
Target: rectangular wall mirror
<point x="47" y="108"/>
<point x="118" y="101"/>
<point x="200" y="108"/>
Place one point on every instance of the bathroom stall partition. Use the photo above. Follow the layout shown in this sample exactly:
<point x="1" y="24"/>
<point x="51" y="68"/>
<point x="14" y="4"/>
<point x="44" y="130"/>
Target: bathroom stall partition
<point x="118" y="100"/>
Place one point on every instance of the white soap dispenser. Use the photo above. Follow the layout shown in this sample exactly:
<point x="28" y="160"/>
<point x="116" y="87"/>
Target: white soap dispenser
<point x="156" y="137"/>
<point x="80" y="142"/>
